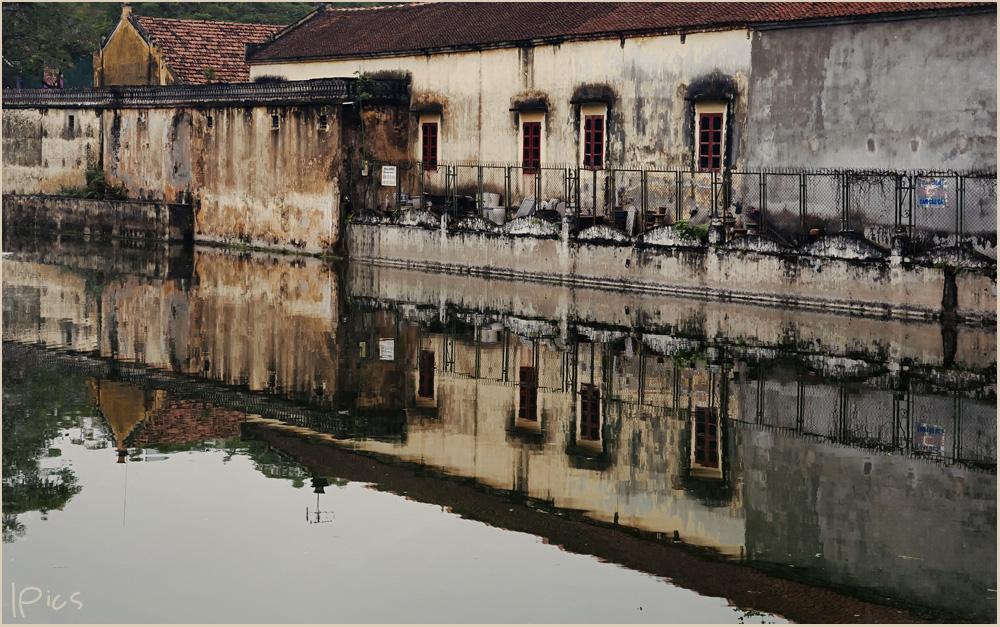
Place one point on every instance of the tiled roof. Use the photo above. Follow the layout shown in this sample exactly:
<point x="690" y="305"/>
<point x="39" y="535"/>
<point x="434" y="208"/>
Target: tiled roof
<point x="191" y="46"/>
<point x="396" y="29"/>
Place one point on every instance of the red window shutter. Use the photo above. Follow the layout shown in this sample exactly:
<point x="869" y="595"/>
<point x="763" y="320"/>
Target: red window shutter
<point x="710" y="142"/>
<point x="593" y="141"/>
<point x="429" y="151"/>
<point x="532" y="147"/>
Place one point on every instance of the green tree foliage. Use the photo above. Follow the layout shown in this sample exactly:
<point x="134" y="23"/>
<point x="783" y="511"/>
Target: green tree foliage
<point x="242" y="12"/>
<point x="40" y="36"/>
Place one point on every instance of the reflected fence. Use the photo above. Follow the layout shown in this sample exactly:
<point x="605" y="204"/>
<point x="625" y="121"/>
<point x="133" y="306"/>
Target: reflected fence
<point x="929" y="209"/>
<point x="869" y="409"/>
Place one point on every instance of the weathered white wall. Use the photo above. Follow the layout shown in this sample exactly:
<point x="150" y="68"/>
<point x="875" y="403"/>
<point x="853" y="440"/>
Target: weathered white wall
<point x="267" y="187"/>
<point x="648" y="78"/>
<point x="41" y="153"/>
<point x="250" y="184"/>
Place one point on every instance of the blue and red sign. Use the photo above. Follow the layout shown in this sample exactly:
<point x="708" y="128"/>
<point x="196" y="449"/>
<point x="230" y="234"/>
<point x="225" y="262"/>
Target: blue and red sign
<point x="929" y="438"/>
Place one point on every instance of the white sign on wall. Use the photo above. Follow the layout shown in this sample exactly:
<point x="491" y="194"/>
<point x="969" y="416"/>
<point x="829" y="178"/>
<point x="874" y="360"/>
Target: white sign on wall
<point x="388" y="176"/>
<point x="387" y="349"/>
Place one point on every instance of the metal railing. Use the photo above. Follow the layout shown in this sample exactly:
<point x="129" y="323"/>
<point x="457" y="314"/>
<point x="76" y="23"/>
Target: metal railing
<point x="929" y="209"/>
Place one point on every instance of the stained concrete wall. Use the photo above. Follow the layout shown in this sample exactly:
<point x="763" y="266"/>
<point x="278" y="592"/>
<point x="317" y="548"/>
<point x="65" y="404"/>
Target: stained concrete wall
<point x="250" y="183"/>
<point x="272" y="187"/>
<point x="42" y="153"/>
<point x="917" y="93"/>
<point x="645" y="79"/>
<point x="756" y="277"/>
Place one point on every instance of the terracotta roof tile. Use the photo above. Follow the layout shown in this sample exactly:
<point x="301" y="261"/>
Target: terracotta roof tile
<point x="398" y="29"/>
<point x="192" y="46"/>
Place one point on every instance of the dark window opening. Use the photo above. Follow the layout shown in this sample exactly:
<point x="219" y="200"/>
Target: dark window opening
<point x="429" y="153"/>
<point x="527" y="402"/>
<point x="72" y="122"/>
<point x="593" y="141"/>
<point x="274" y="121"/>
<point x="322" y="122"/>
<point x="590" y="412"/>
<point x="710" y="142"/>
<point x="532" y="147"/>
<point x="706" y="437"/>
<point x="425" y="389"/>
<point x="210" y="121"/>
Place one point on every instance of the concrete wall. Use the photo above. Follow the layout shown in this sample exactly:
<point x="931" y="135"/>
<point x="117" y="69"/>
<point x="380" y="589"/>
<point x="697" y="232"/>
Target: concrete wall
<point x="41" y="153"/>
<point x="261" y="186"/>
<point x="645" y="79"/>
<point x="251" y="184"/>
<point x="816" y="281"/>
<point x="918" y="93"/>
<point x="88" y="216"/>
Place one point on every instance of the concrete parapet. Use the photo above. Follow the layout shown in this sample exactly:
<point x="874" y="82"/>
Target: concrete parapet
<point x="850" y="285"/>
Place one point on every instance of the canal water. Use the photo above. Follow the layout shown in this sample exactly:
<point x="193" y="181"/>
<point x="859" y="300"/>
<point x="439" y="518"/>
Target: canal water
<point x="210" y="436"/>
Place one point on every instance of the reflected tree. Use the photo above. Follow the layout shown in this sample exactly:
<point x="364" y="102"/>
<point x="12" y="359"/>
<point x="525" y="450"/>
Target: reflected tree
<point x="37" y="404"/>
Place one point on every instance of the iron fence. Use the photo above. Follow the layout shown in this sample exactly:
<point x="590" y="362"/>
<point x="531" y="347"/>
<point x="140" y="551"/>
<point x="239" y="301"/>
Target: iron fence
<point x="931" y="209"/>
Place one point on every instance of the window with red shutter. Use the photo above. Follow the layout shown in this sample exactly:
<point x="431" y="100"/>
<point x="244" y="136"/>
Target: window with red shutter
<point x="527" y="404"/>
<point x="590" y="412"/>
<point x="593" y="141"/>
<point x="429" y="152"/>
<point x="710" y="142"/>
<point x="532" y="147"/>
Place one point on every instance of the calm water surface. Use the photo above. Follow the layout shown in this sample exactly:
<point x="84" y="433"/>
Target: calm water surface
<point x="212" y="437"/>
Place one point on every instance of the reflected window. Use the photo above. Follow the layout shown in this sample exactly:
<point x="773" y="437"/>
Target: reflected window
<point x="706" y="437"/>
<point x="527" y="404"/>
<point x="426" y="386"/>
<point x="590" y="412"/>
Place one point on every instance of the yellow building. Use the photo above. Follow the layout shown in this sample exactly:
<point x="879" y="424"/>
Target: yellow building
<point x="160" y="51"/>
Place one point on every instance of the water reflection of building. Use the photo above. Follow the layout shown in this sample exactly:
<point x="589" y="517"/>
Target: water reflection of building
<point x="605" y="427"/>
<point x="816" y="448"/>
<point x="141" y="417"/>
<point x="125" y="407"/>
<point x="784" y="460"/>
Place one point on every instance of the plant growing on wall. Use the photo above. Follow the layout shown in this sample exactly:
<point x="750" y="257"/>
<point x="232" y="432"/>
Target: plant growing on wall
<point x="97" y="187"/>
<point x="363" y="93"/>
<point x="687" y="230"/>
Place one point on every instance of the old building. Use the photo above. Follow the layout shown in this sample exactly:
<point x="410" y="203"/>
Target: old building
<point x="678" y="85"/>
<point x="160" y="51"/>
